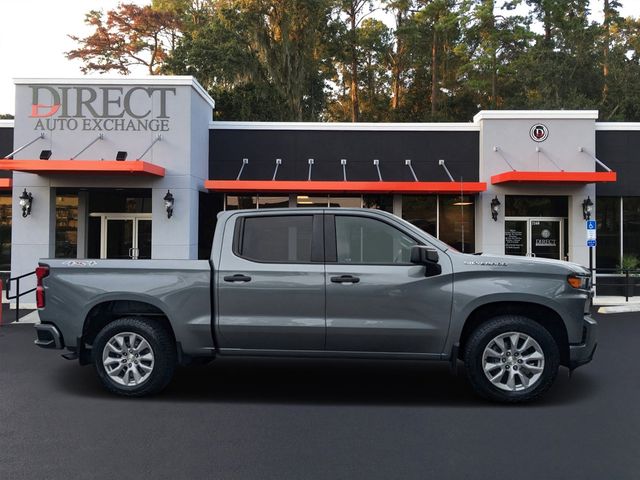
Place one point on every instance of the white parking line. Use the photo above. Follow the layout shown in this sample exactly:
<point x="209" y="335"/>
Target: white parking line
<point x="620" y="309"/>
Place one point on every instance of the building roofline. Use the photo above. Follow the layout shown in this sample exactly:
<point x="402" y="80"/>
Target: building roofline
<point x="363" y="126"/>
<point x="113" y="80"/>
<point x="600" y="126"/>
<point x="613" y="126"/>
<point x="535" y="115"/>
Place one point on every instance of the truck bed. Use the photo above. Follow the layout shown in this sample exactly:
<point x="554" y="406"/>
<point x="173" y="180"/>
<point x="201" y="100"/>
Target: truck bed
<point x="177" y="289"/>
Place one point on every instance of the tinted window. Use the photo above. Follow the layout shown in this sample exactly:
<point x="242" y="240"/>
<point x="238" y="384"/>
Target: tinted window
<point x="277" y="239"/>
<point x="366" y="240"/>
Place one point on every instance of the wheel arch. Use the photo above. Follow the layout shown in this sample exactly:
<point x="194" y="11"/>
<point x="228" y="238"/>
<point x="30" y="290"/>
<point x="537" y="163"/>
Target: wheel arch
<point x="109" y="309"/>
<point x="547" y="317"/>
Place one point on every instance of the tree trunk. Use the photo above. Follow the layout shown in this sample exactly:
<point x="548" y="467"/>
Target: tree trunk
<point x="396" y="65"/>
<point x="355" y="106"/>
<point x="607" y="40"/>
<point x="434" y="74"/>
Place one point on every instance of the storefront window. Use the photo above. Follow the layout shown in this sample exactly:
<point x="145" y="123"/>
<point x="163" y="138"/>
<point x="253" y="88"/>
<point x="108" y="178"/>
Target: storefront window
<point x="240" y="202"/>
<point x="66" y="226"/>
<point x="422" y="211"/>
<point x="346" y="202"/>
<point x="308" y="201"/>
<point x="535" y="206"/>
<point x="379" y="202"/>
<point x="5" y="232"/>
<point x="273" y="202"/>
<point x="608" y="217"/>
<point x="457" y="222"/>
<point x="631" y="226"/>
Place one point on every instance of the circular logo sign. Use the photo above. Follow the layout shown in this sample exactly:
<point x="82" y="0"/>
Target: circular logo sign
<point x="539" y="132"/>
<point x="546" y="233"/>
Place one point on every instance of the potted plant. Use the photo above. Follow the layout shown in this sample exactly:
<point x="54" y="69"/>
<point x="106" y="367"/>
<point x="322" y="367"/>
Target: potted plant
<point x="630" y="264"/>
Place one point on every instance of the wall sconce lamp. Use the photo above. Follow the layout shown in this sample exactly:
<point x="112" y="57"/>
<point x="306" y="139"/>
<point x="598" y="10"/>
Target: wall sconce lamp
<point x="495" y="208"/>
<point x="25" y="203"/>
<point x="121" y="156"/>
<point x="45" y="154"/>
<point x="587" y="208"/>
<point x="168" y="203"/>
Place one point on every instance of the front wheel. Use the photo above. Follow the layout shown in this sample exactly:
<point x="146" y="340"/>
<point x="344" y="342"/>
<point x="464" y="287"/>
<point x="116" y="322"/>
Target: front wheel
<point x="134" y="356"/>
<point x="511" y="358"/>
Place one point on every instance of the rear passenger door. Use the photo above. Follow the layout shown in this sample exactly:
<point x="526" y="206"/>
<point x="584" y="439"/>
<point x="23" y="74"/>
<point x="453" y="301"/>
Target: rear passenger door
<point x="377" y="300"/>
<point x="271" y="289"/>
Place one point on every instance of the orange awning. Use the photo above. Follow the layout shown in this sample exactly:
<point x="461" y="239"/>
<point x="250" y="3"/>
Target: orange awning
<point x="315" y="186"/>
<point x="46" y="167"/>
<point x="553" y="177"/>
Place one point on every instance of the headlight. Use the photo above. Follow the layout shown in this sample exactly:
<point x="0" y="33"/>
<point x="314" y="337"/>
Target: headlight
<point x="579" y="281"/>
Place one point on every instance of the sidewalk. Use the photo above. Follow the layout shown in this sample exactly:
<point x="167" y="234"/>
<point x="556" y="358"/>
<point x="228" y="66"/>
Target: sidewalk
<point x="27" y="315"/>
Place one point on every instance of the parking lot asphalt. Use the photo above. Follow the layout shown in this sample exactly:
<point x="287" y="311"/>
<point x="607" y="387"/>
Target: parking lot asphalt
<point x="308" y="419"/>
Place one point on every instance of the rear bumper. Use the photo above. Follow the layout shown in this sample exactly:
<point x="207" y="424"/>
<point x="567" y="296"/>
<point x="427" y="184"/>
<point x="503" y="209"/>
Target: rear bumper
<point x="583" y="352"/>
<point x="48" y="336"/>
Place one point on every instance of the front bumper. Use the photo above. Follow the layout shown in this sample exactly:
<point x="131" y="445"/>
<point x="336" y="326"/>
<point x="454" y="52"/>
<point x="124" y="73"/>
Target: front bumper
<point x="48" y="336"/>
<point x="582" y="353"/>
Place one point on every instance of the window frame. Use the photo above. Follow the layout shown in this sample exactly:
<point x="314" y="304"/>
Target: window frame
<point x="317" y="238"/>
<point x="331" y="239"/>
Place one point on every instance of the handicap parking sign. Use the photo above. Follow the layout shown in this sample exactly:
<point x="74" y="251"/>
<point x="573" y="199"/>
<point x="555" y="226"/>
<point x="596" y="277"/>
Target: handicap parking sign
<point x="591" y="233"/>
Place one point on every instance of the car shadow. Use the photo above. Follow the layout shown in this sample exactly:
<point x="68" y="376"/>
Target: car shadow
<point x="324" y="382"/>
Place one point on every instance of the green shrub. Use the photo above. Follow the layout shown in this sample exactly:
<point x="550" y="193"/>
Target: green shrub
<point x="629" y="262"/>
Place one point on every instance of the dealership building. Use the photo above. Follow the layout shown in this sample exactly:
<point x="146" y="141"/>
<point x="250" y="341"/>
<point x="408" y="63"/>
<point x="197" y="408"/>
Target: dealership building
<point x="135" y="169"/>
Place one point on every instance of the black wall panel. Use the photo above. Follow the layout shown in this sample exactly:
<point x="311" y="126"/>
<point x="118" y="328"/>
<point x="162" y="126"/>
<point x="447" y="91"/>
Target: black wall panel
<point x="6" y="147"/>
<point x="620" y="151"/>
<point x="227" y="148"/>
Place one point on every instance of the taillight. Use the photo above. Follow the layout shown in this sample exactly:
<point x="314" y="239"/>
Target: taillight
<point x="41" y="272"/>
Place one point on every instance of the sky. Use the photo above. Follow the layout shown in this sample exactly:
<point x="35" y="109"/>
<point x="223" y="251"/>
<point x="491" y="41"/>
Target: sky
<point x="34" y="37"/>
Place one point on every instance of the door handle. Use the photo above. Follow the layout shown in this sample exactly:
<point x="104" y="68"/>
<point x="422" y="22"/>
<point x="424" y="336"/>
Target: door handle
<point x="345" y="279"/>
<point x="238" y="277"/>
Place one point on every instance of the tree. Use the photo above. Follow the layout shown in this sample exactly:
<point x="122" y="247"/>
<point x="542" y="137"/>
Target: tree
<point x="374" y="53"/>
<point x="611" y="19"/>
<point x="284" y="34"/>
<point x="354" y="11"/>
<point x="402" y="11"/>
<point x="130" y="35"/>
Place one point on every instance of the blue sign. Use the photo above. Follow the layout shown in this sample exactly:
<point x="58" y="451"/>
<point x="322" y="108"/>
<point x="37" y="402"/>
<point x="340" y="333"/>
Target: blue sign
<point x="591" y="224"/>
<point x="591" y="243"/>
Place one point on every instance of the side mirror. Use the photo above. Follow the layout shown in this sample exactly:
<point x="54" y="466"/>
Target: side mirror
<point x="427" y="256"/>
<point x="423" y="255"/>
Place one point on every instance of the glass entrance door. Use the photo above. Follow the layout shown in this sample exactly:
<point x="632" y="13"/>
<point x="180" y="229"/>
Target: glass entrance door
<point x="119" y="241"/>
<point x="535" y="237"/>
<point x="546" y="238"/>
<point x="125" y="236"/>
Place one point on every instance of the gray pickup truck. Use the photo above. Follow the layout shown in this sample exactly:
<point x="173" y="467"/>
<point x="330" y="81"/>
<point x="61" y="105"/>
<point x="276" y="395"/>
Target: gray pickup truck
<point x="350" y="283"/>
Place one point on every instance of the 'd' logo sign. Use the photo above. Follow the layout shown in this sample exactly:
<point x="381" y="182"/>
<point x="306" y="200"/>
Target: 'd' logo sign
<point x="539" y="132"/>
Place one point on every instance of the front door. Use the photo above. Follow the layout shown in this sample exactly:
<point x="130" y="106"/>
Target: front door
<point x="377" y="300"/>
<point x="546" y="238"/>
<point x="536" y="237"/>
<point x="125" y="236"/>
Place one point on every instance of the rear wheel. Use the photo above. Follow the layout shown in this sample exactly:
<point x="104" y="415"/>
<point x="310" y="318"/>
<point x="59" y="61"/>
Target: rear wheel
<point x="134" y="356"/>
<point x="511" y="358"/>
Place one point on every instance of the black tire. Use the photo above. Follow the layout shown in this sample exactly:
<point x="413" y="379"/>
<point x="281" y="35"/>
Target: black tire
<point x="163" y="350"/>
<point x="483" y="336"/>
